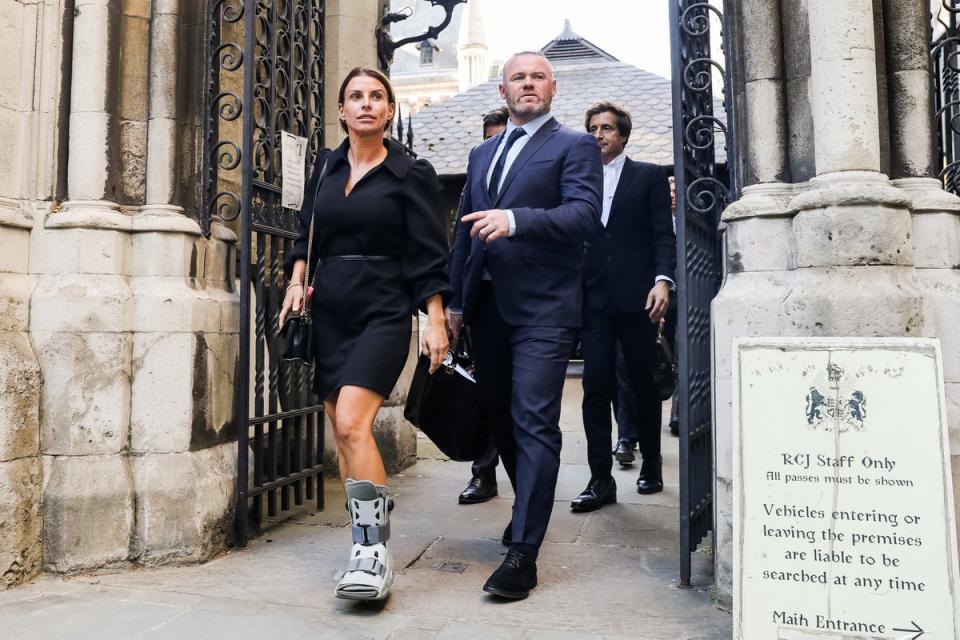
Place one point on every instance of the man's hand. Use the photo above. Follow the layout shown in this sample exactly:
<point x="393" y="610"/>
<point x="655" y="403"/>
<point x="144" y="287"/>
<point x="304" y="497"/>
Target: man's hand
<point x="488" y="225"/>
<point x="657" y="301"/>
<point x="454" y="322"/>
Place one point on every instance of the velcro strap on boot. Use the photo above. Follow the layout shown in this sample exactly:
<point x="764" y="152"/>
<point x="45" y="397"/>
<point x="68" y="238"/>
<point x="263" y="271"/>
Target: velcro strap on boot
<point x="368" y="565"/>
<point x="365" y="534"/>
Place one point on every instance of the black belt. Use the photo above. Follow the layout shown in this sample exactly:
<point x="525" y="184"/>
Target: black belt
<point x="358" y="258"/>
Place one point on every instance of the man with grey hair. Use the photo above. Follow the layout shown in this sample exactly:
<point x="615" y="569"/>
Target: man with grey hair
<point x="532" y="197"/>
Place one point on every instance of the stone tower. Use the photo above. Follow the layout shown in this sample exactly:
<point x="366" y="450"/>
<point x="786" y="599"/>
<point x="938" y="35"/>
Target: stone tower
<point x="472" y="53"/>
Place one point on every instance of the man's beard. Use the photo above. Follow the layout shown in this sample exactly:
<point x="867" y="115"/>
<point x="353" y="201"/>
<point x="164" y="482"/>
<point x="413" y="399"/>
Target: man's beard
<point x="529" y="111"/>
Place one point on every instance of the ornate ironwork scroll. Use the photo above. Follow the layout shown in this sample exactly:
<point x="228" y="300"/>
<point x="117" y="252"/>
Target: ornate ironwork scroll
<point x="703" y="188"/>
<point x="945" y="57"/>
<point x="265" y="76"/>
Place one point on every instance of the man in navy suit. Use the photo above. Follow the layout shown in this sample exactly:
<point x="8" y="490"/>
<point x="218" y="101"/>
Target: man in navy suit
<point x="629" y="272"/>
<point x="532" y="198"/>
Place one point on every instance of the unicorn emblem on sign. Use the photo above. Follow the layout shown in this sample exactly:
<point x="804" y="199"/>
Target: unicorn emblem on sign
<point x="839" y="407"/>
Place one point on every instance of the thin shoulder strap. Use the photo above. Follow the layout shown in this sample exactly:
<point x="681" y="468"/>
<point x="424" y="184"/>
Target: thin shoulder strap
<point x="313" y="218"/>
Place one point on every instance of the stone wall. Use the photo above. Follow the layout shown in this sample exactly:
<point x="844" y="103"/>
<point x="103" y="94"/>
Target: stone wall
<point x="823" y="242"/>
<point x="118" y="317"/>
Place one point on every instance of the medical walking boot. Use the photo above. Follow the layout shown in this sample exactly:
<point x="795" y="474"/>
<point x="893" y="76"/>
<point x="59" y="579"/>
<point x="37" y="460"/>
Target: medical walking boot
<point x="369" y="571"/>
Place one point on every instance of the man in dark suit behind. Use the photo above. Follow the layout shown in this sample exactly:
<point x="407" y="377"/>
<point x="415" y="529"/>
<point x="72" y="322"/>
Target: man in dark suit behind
<point x="629" y="271"/>
<point x="532" y="197"/>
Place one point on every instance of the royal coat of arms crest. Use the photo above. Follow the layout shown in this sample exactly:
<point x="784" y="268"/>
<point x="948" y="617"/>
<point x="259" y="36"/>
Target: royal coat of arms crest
<point x="838" y="407"/>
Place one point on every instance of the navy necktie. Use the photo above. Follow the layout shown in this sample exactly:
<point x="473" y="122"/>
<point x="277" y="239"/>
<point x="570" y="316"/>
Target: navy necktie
<point x="494" y="185"/>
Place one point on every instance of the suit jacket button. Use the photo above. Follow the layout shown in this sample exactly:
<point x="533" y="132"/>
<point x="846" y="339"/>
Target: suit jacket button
<point x="609" y="259"/>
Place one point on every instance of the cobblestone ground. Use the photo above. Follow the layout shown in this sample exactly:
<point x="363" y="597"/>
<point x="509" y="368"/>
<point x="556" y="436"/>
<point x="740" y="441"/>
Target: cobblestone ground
<point x="609" y="574"/>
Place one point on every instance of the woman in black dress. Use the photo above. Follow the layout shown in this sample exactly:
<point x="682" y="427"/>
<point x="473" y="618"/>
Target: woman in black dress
<point x="380" y="253"/>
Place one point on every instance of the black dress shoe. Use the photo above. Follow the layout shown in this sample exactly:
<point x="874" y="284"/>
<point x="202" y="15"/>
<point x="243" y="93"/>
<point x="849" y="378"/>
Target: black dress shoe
<point x="675" y="428"/>
<point x="623" y="453"/>
<point x="651" y="476"/>
<point x="479" y="490"/>
<point x="507" y="538"/>
<point x="514" y="578"/>
<point x="597" y="494"/>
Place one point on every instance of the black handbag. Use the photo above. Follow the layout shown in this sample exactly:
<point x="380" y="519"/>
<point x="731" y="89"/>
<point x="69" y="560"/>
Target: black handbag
<point x="298" y="330"/>
<point x="665" y="373"/>
<point x="445" y="405"/>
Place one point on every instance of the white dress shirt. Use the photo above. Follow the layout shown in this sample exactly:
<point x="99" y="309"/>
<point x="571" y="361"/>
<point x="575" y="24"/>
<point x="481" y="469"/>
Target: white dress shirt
<point x="531" y="128"/>
<point x="611" y="178"/>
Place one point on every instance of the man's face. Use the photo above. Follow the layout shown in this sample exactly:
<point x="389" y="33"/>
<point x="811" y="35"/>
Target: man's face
<point x="492" y="129"/>
<point x="528" y="87"/>
<point x="603" y="127"/>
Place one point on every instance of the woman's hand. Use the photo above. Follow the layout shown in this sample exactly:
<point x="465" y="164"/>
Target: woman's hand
<point x="435" y="343"/>
<point x="293" y="301"/>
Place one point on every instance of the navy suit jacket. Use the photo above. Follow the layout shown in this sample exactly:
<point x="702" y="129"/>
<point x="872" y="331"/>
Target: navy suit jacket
<point x="554" y="189"/>
<point x="637" y="245"/>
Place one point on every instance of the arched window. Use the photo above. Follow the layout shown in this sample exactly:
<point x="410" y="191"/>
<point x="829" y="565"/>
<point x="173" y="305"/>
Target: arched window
<point x="426" y="53"/>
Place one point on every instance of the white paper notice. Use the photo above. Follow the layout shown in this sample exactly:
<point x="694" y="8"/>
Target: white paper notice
<point x="293" y="152"/>
<point x="843" y="506"/>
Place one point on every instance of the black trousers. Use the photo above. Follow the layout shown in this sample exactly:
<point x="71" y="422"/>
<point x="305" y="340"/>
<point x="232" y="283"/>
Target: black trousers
<point x="637" y="338"/>
<point x="485" y="467"/>
<point x="624" y="407"/>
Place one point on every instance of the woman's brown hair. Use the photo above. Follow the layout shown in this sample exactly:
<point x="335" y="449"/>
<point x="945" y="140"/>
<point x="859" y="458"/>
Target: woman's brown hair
<point x="376" y="75"/>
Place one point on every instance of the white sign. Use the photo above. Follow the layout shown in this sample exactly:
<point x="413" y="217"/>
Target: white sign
<point x="843" y="509"/>
<point x="293" y="154"/>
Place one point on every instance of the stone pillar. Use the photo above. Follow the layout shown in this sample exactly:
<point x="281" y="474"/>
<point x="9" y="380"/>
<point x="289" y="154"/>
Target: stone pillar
<point x="847" y="264"/>
<point x="185" y="323"/>
<point x="30" y="173"/>
<point x="80" y="318"/>
<point x="20" y="382"/>
<point x="936" y="213"/>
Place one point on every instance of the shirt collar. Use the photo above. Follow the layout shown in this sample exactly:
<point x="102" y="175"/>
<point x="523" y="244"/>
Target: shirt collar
<point x="530" y="127"/>
<point x="617" y="162"/>
<point x="397" y="161"/>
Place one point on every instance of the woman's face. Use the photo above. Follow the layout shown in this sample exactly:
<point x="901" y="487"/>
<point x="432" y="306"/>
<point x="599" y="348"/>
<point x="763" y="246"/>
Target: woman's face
<point x="366" y="108"/>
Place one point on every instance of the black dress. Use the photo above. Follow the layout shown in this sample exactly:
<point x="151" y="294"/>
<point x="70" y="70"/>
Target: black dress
<point x="362" y="307"/>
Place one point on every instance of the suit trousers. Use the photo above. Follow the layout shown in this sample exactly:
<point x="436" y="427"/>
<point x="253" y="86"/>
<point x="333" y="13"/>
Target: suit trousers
<point x="637" y="337"/>
<point x="485" y="467"/>
<point x="521" y="371"/>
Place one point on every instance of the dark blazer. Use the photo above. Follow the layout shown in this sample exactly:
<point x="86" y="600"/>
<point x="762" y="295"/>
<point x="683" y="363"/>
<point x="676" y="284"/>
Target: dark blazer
<point x="637" y="245"/>
<point x="553" y="188"/>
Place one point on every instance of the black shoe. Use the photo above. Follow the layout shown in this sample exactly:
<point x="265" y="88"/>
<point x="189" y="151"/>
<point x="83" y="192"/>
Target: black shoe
<point x="597" y="494"/>
<point x="514" y="578"/>
<point x="479" y="490"/>
<point x="651" y="476"/>
<point x="623" y="453"/>
<point x="507" y="538"/>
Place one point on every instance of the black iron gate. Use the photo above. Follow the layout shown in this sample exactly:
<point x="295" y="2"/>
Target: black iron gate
<point x="945" y="58"/>
<point x="265" y="76"/>
<point x="703" y="187"/>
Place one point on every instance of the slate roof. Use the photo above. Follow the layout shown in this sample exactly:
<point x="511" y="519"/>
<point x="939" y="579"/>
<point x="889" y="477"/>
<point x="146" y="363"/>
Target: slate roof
<point x="444" y="133"/>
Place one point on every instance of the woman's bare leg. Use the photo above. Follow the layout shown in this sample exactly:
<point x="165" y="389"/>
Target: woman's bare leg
<point x="330" y="408"/>
<point x="353" y="413"/>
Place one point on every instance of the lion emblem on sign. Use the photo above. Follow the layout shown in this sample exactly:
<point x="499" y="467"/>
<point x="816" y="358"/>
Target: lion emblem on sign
<point x="839" y="407"/>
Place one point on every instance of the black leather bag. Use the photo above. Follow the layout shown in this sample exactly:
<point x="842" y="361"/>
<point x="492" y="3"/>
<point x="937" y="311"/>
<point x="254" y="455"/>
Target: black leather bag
<point x="298" y="329"/>
<point x="665" y="373"/>
<point x="445" y="405"/>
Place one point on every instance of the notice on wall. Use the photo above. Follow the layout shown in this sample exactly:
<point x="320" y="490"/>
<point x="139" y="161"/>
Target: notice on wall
<point x="844" y="516"/>
<point x="293" y="154"/>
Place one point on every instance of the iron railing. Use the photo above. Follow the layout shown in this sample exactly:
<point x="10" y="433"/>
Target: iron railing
<point x="945" y="58"/>
<point x="704" y="189"/>
<point x="265" y="60"/>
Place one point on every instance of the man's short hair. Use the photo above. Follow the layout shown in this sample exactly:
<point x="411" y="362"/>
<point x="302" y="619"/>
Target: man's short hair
<point x="624" y="121"/>
<point x="496" y="118"/>
<point x="539" y="54"/>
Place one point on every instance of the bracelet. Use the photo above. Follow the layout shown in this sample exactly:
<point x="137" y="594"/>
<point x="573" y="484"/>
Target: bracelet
<point x="294" y="284"/>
